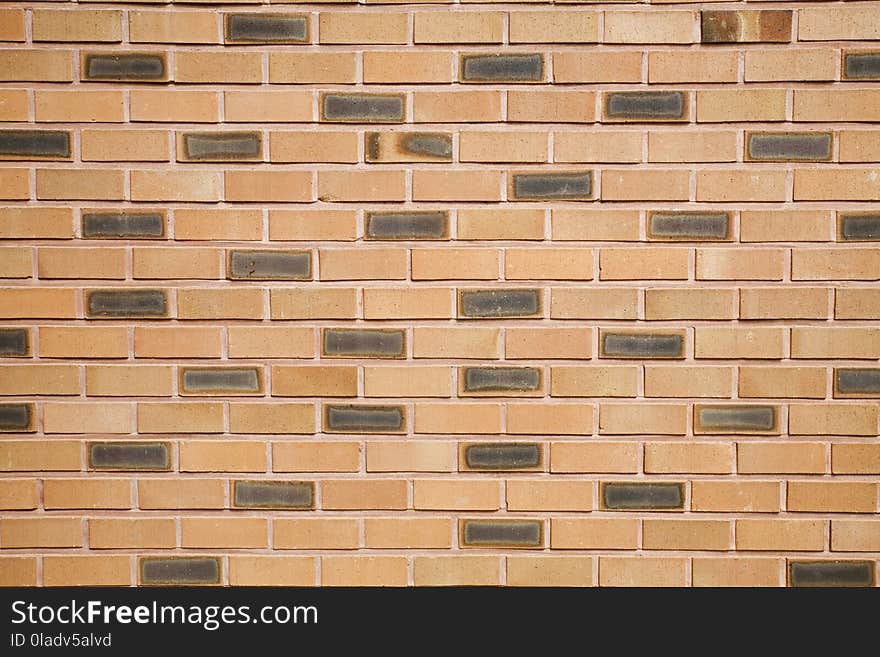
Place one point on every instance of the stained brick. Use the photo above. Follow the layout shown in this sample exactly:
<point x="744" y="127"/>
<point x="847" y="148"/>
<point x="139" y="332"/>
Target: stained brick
<point x="179" y="571"/>
<point x="502" y="456"/>
<point x="130" y="67"/>
<point x="487" y="304"/>
<point x="831" y="573"/>
<point x="861" y="65"/>
<point x="220" y="146"/>
<point x="123" y="225"/>
<point x="126" y="303"/>
<point x="858" y="226"/>
<point x="500" y="379"/>
<point x="735" y="419"/>
<point x="641" y="345"/>
<point x="857" y="382"/>
<point x="364" y="419"/>
<point x="287" y="265"/>
<point x="642" y="496"/>
<point x="789" y="146"/>
<point x="17" y="418"/>
<point x="569" y="186"/>
<point x="363" y="343"/>
<point x="689" y="226"/>
<point x="363" y="108"/>
<point x="14" y="342"/>
<point x="426" y="225"/>
<point x="408" y="147"/>
<point x="261" y="494"/>
<point x="35" y="145"/>
<point x="502" y="533"/>
<point x="501" y="68"/>
<point x="130" y="456"/>
<point x="623" y="106"/>
<point x="771" y="26"/>
<point x="221" y="380"/>
<point x="266" y="28"/>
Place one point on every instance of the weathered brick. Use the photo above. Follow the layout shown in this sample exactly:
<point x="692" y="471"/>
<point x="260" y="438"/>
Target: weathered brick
<point x="501" y="68"/>
<point x="363" y="108"/>
<point x="17" y="418"/>
<point x="415" y="225"/>
<point x="689" y="226"/>
<point x="408" y="147"/>
<point x="363" y="343"/>
<point x="35" y="145"/>
<point x="569" y="186"/>
<point x="366" y="419"/>
<point x="179" y="571"/>
<point x="266" y="28"/>
<point x="219" y="146"/>
<point x="831" y="573"/>
<point x="131" y="67"/>
<point x="640" y="345"/>
<point x="484" y="304"/>
<point x="129" y="456"/>
<point x="260" y="494"/>
<point x="15" y="342"/>
<point x="789" y="146"/>
<point x="628" y="106"/>
<point x="858" y="226"/>
<point x="860" y="66"/>
<point x="735" y="419"/>
<point x="771" y="26"/>
<point x="642" y="496"/>
<point x="501" y="533"/>
<point x="270" y="265"/>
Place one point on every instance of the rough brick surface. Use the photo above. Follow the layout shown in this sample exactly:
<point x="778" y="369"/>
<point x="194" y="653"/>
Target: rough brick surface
<point x="524" y="293"/>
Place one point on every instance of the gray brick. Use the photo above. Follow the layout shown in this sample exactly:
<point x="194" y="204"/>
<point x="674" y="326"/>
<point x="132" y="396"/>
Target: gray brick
<point x="642" y="497"/>
<point x="571" y="186"/>
<point x="364" y="343"/>
<point x="123" y="225"/>
<point x="363" y="108"/>
<point x="689" y="226"/>
<point x="734" y="419"/>
<point x="502" y="533"/>
<point x="126" y="303"/>
<point x="488" y="304"/>
<point x="274" y="494"/>
<point x="267" y="28"/>
<point x="222" y="146"/>
<point x="859" y="227"/>
<point x="861" y="65"/>
<point x="270" y="265"/>
<point x="503" y="456"/>
<point x="179" y="570"/>
<point x="339" y="418"/>
<point x="430" y="225"/>
<point x="14" y="342"/>
<point x="37" y="144"/>
<point x="789" y="146"/>
<point x="217" y="380"/>
<point x="497" y="379"/>
<point x="133" y="67"/>
<point x="502" y="68"/>
<point x="130" y="456"/>
<point x="645" y="106"/>
<point x="408" y="146"/>
<point x="857" y="381"/>
<point x="831" y="573"/>
<point x="17" y="418"/>
<point x="641" y="345"/>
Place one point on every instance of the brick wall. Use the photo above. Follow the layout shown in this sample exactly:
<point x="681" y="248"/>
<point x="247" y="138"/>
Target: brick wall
<point x="428" y="294"/>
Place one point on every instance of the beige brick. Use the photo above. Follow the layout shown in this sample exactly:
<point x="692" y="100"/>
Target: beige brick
<point x="595" y="67"/>
<point x="723" y="496"/>
<point x="643" y="571"/>
<point x="542" y="495"/>
<point x="780" y="535"/>
<point x="594" y="381"/>
<point x="667" y="419"/>
<point x="678" y="381"/>
<point x="362" y="27"/>
<point x="722" y="105"/>
<point x="567" y="457"/>
<point x="806" y="382"/>
<point x="456" y="571"/>
<point x="594" y="533"/>
<point x="457" y="27"/>
<point x="550" y="571"/>
<point x="699" y="458"/>
<point x="649" y="27"/>
<point x="736" y="571"/>
<point x="780" y="458"/>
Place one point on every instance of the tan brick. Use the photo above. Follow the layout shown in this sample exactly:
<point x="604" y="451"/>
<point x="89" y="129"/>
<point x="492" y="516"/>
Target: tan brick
<point x="594" y="533"/>
<point x="271" y="418"/>
<point x="314" y="381"/>
<point x="807" y="64"/>
<point x="551" y="106"/>
<point x="451" y="185"/>
<point x="821" y="342"/>
<point x="313" y="146"/>
<point x="124" y="145"/>
<point x="736" y="571"/>
<point x="311" y="225"/>
<point x="408" y="303"/>
<point x="19" y="494"/>
<point x="589" y="381"/>
<point x="692" y="66"/>
<point x="785" y="226"/>
<point x="675" y="303"/>
<point x="784" y="303"/>
<point x="342" y="494"/>
<point x="855" y="536"/>
<point x="101" y="570"/>
<point x="14" y="105"/>
<point x="362" y="27"/>
<point x="79" y="106"/>
<point x="416" y="456"/>
<point x="456" y="106"/>
<point x="838" y="23"/>
<point x="686" y="534"/>
<point x="268" y="186"/>
<point x="602" y="456"/>
<point x="190" y="342"/>
<point x="189" y="493"/>
<point x="13" y="27"/>
<point x="735" y="496"/>
<point x="315" y="533"/>
<point x="14" y="185"/>
<point x="176" y="27"/>
<point x="602" y="225"/>
<point x="833" y="419"/>
<point x="552" y="418"/>
<point x="649" y="27"/>
<point x="642" y="418"/>
<point x="457" y="418"/>
<point x="855" y="458"/>
<point x="647" y="185"/>
<point x="225" y="456"/>
<point x="742" y="265"/>
<point x="780" y="458"/>
<point x="232" y="225"/>
<point x="595" y="67"/>
<point x="431" y="342"/>
<point x="363" y="264"/>
<point x="173" y="105"/>
<point x="457" y="27"/>
<point x="407" y="381"/>
<point x="16" y="262"/>
<point x="741" y="185"/>
<point x="313" y="303"/>
<point x="272" y="571"/>
<point x="216" y="303"/>
<point x="598" y="146"/>
<point x="696" y="458"/>
<point x="333" y="456"/>
<point x="643" y="571"/>
<point x="228" y="67"/>
<point x="64" y="184"/>
<point x="542" y="495"/>
<point x="175" y="263"/>
<point x="269" y="106"/>
<point x="18" y="571"/>
<point x="175" y="186"/>
<point x="56" y="455"/>
<point x="722" y="105"/>
<point x="859" y="146"/>
<point x="42" y="379"/>
<point x="806" y="382"/>
<point x="128" y="533"/>
<point x="86" y="494"/>
<point x="41" y="532"/>
<point x="499" y="146"/>
<point x="396" y="67"/>
<point x="224" y="532"/>
<point x="550" y="571"/>
<point x="547" y="343"/>
<point x="780" y="535"/>
<point x="456" y="571"/>
<point x="678" y="381"/>
<point x="763" y="343"/>
<point x="53" y="303"/>
<point x="409" y="533"/>
<point x="715" y="146"/>
<point x="79" y="25"/>
<point x="661" y="263"/>
<point x="86" y="418"/>
<point x="180" y="417"/>
<point x="461" y="264"/>
<point x="456" y="495"/>
<point x="607" y="303"/>
<point x="835" y="264"/>
<point x="554" y="27"/>
<point x="832" y="496"/>
<point x="36" y="65"/>
<point x="841" y="184"/>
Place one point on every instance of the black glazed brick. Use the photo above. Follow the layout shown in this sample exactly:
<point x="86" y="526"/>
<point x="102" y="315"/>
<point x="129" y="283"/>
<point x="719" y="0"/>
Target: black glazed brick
<point x="209" y="380"/>
<point x="181" y="571"/>
<point x="221" y="146"/>
<point x="39" y="144"/>
<point x="503" y="456"/>
<point x="642" y="497"/>
<point x="734" y="419"/>
<point x="267" y="28"/>
<point x="366" y="108"/>
<point x="489" y="304"/>
<point x="502" y="533"/>
<point x="363" y="343"/>
<point x="339" y="418"/>
<point x="14" y="342"/>
<point x="857" y="381"/>
<point x="861" y="65"/>
<point x="831" y="573"/>
<point x="431" y="225"/>
<point x="130" y="456"/>
<point x="123" y="225"/>
<point x="270" y="265"/>
<point x="17" y="418"/>
<point x="862" y="227"/>
<point x="552" y="186"/>
<point x="645" y="106"/>
<point x="689" y="226"/>
<point x="641" y="345"/>
<point x="789" y="146"/>
<point x="418" y="145"/>
<point x="126" y="303"/>
<point x="498" y="379"/>
<point x="133" y="67"/>
<point x="274" y="494"/>
<point x="502" y="68"/>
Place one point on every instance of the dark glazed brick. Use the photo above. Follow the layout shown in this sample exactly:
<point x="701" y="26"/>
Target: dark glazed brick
<point x="209" y="380"/>
<point x="363" y="343"/>
<point x="496" y="379"/>
<point x="14" y="342"/>
<point x="407" y="225"/>
<point x="735" y="419"/>
<point x="130" y="456"/>
<point x="408" y="146"/>
<point x="126" y="303"/>
<point x="503" y="456"/>
<point x="859" y="227"/>
<point x="641" y="345"/>
<point x="366" y="108"/>
<point x="134" y="67"/>
<point x="571" y="186"/>
<point x="123" y="225"/>
<point x="221" y="146"/>
<point x="642" y="497"/>
<point x="789" y="146"/>
<point x="770" y="26"/>
<point x="179" y="570"/>
<point x="34" y="144"/>
<point x="645" y="106"/>
<point x="861" y="65"/>
<point x="364" y="419"/>
<point x="689" y="226"/>
<point x="831" y="573"/>
<point x="502" y="68"/>
<point x="17" y="418"/>
<point x="274" y="494"/>
<point x="857" y="381"/>
<point x="270" y="265"/>
<point x="502" y="533"/>
<point x="489" y="304"/>
<point x="267" y="28"/>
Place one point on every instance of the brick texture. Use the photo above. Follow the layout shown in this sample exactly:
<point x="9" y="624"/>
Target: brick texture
<point x="539" y="293"/>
